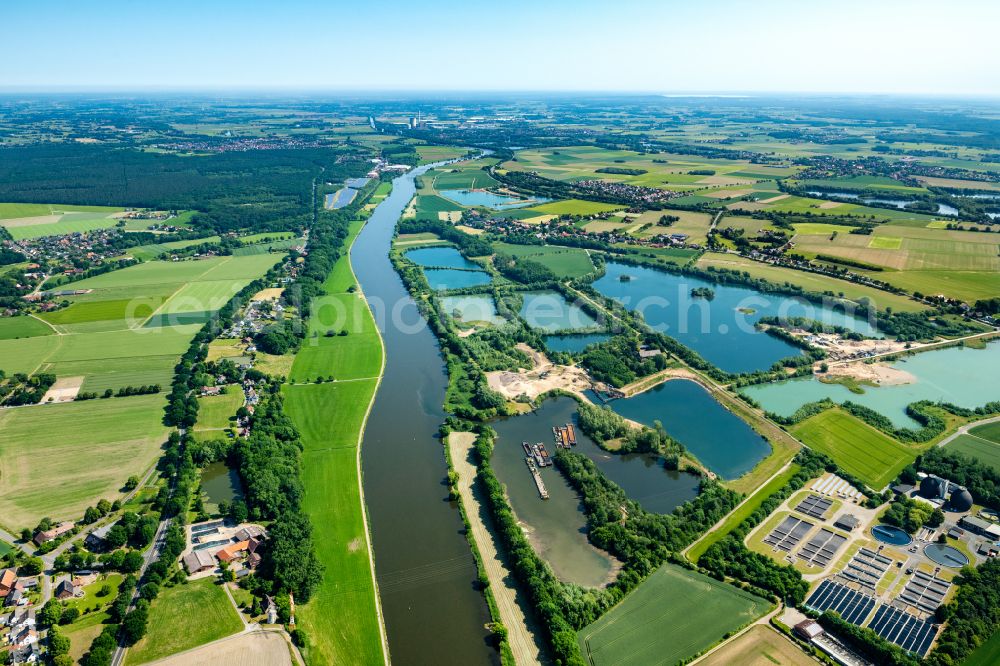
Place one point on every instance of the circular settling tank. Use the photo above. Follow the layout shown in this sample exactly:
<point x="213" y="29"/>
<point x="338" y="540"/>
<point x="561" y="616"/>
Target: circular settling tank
<point x="891" y="535"/>
<point x="946" y="556"/>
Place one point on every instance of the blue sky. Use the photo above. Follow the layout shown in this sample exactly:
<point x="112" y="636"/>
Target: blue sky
<point x="883" y="46"/>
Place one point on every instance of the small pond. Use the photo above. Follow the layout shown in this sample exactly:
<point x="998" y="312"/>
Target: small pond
<point x="219" y="484"/>
<point x="441" y="279"/>
<point x="472" y="308"/>
<point x="549" y="311"/>
<point x="891" y="534"/>
<point x="946" y="556"/>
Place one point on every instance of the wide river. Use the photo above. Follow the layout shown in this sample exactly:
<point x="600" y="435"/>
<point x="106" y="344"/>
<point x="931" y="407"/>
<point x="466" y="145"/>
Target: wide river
<point x="434" y="613"/>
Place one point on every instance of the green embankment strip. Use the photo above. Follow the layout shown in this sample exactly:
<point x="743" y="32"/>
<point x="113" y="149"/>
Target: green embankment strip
<point x="741" y="513"/>
<point x="342" y="620"/>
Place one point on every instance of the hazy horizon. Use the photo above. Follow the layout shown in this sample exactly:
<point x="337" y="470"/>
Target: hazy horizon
<point x="773" y="47"/>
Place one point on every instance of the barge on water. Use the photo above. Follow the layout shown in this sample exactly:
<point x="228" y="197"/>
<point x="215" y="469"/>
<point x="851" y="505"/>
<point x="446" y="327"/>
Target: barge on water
<point x="537" y="453"/>
<point x="565" y="435"/>
<point x="539" y="484"/>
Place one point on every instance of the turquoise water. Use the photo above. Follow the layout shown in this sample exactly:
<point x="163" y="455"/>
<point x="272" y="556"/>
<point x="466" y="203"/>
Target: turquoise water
<point x="549" y="311"/>
<point x="440" y="257"/>
<point x="487" y="199"/>
<point x="716" y="329"/>
<point x="449" y="278"/>
<point x="472" y="308"/>
<point x="962" y="376"/>
<point x="573" y="343"/>
<point x="720" y="439"/>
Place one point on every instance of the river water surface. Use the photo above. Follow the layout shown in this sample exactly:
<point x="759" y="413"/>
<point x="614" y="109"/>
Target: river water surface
<point x="434" y="613"/>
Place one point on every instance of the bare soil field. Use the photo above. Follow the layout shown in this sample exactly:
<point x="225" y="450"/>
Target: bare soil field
<point x="543" y="377"/>
<point x="260" y="648"/>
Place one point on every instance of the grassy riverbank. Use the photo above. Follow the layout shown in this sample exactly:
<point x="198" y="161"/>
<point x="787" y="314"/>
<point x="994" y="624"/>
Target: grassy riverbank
<point x="342" y="620"/>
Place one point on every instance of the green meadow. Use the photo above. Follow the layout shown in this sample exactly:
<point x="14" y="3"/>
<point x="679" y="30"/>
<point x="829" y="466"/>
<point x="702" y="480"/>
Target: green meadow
<point x="341" y="619"/>
<point x="565" y="262"/>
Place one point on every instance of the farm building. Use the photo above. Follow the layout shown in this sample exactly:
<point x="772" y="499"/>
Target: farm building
<point x="198" y="561"/>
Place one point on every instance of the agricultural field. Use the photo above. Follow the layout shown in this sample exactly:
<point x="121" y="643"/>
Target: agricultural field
<point x="810" y="281"/>
<point x="760" y="646"/>
<point x="461" y="176"/>
<point x="429" y="154"/>
<point x="968" y="286"/>
<point x="860" y="449"/>
<point x="574" y="207"/>
<point x="983" y="450"/>
<point x="185" y="616"/>
<point x="693" y="225"/>
<point x="55" y="460"/>
<point x="988" y="431"/>
<point x="23" y="327"/>
<point x="565" y="262"/>
<point x="55" y="220"/>
<point x="147" y="252"/>
<point x="341" y="619"/>
<point x="672" y="616"/>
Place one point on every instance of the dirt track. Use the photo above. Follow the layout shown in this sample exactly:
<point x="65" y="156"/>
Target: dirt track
<point x="523" y="643"/>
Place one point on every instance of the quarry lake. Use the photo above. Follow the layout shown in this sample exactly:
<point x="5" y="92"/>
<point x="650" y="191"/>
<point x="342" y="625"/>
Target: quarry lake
<point x="721" y="329"/>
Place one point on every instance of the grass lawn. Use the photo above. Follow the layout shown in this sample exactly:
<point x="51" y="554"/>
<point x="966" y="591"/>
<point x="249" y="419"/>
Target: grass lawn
<point x="741" y="513"/>
<point x="5" y="548"/>
<point x="987" y="654"/>
<point x="183" y="617"/>
<point x="23" y="327"/>
<point x="341" y="619"/>
<point x="670" y="617"/>
<point x="869" y="454"/>
<point x="82" y="633"/>
<point x="761" y="646"/>
<point x="574" y="207"/>
<point x="55" y="460"/>
<point x="565" y="262"/>
<point x="985" y="451"/>
<point x="90" y="599"/>
<point x="277" y="366"/>
<point x="215" y="411"/>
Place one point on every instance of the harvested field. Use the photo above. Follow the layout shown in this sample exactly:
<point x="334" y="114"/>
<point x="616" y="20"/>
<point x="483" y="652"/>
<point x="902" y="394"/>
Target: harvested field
<point x="259" y="648"/>
<point x="760" y="646"/>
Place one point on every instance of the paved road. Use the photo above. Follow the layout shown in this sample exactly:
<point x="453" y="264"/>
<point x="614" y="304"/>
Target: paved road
<point x="523" y="643"/>
<point x="964" y="430"/>
<point x="154" y="552"/>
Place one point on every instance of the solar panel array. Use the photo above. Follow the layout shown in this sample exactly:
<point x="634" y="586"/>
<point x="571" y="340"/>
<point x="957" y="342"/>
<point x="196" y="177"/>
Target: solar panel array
<point x="820" y="549"/>
<point x="925" y="592"/>
<point x="815" y="506"/>
<point x="903" y="629"/>
<point x="866" y="568"/>
<point x="853" y="605"/>
<point x="788" y="534"/>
